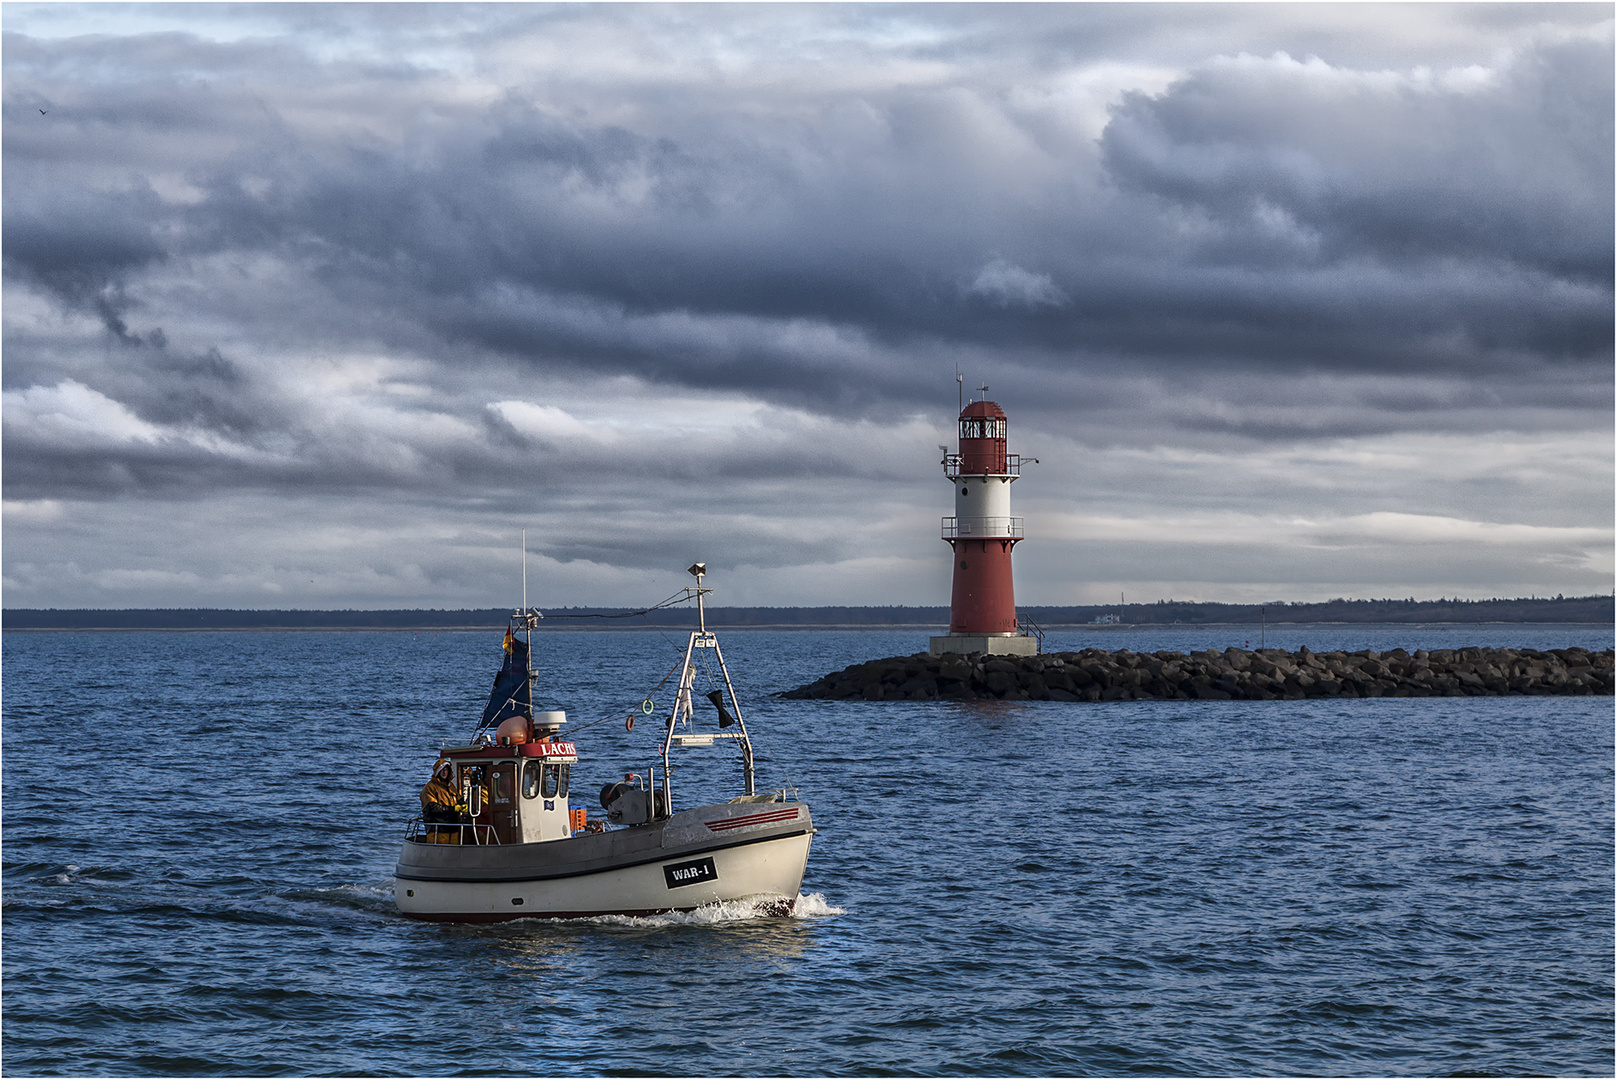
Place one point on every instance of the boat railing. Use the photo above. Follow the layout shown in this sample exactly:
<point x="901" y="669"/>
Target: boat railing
<point x="467" y="833"/>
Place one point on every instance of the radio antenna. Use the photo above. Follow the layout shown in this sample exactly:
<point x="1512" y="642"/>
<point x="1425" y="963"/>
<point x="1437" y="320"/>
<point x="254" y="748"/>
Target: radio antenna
<point x="960" y="387"/>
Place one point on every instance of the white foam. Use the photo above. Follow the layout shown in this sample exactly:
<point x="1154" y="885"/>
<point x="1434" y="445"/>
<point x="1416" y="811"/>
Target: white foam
<point x="812" y="906"/>
<point x="366" y="892"/>
<point x="74" y="874"/>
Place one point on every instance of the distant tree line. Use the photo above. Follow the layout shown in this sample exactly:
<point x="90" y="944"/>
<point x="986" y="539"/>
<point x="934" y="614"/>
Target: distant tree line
<point x="1575" y="609"/>
<point x="1560" y="609"/>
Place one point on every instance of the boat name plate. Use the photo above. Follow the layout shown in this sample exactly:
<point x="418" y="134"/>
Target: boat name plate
<point x="689" y="873"/>
<point x="563" y="751"/>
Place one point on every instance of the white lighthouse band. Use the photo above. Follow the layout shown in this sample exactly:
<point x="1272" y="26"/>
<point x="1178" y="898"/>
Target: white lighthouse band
<point x="982" y="508"/>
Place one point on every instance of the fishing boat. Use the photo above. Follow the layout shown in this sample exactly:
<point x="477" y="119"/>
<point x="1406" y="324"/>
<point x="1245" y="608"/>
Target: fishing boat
<point x="515" y="846"/>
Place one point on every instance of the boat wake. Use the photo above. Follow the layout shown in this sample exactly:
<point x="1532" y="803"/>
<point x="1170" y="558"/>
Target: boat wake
<point x="375" y="899"/>
<point x="812" y="906"/>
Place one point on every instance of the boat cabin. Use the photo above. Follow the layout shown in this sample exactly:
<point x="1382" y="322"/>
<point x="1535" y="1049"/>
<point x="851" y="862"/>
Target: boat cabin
<point x="515" y="789"/>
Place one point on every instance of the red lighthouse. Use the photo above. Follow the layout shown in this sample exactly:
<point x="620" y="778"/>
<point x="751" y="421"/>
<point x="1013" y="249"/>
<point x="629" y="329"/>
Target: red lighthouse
<point x="982" y="532"/>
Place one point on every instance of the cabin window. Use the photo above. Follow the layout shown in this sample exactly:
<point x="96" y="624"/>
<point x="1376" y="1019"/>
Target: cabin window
<point x="547" y="780"/>
<point x="555" y="781"/>
<point x="474" y="787"/>
<point x="499" y="783"/>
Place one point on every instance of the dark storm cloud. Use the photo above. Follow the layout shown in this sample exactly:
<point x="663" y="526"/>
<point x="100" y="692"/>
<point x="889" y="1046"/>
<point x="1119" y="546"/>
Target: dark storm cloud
<point x="1373" y="165"/>
<point x="81" y="245"/>
<point x="535" y="209"/>
<point x="1263" y="212"/>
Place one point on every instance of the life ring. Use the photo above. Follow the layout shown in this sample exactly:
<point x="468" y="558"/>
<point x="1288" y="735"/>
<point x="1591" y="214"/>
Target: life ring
<point x="647" y="706"/>
<point x="628" y="722"/>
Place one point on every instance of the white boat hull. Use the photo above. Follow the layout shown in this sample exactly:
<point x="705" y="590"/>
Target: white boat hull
<point x="697" y="857"/>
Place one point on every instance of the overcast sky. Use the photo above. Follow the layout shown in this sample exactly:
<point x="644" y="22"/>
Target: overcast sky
<point x="321" y="306"/>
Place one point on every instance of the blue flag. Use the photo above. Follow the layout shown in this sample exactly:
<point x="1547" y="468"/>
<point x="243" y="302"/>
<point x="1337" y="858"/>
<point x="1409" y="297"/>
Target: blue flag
<point x="513" y="692"/>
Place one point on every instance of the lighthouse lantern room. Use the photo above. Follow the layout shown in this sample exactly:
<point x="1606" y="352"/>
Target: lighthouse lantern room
<point x="981" y="534"/>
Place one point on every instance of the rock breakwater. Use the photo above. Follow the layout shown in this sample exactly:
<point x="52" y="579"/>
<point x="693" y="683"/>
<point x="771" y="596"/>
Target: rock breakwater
<point x="1234" y="674"/>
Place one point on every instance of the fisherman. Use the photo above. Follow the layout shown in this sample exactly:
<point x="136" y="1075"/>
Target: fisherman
<point x="440" y="802"/>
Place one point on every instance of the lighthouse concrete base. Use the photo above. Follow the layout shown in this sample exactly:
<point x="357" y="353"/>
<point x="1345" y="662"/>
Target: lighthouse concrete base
<point x="993" y="644"/>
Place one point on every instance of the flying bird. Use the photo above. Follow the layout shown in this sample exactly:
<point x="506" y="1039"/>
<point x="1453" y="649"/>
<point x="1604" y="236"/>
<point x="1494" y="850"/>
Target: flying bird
<point x="41" y="111"/>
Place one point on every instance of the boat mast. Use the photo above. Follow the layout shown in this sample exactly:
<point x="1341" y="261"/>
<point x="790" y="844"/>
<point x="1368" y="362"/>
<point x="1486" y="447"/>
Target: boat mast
<point x="529" y="620"/>
<point x="701" y="613"/>
<point x="526" y="631"/>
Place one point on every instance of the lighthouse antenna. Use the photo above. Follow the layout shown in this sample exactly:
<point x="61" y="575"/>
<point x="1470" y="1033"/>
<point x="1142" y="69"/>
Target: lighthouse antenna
<point x="960" y="388"/>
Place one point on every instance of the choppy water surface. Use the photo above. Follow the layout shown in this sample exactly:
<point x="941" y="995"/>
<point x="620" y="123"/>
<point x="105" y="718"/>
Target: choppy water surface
<point x="200" y="829"/>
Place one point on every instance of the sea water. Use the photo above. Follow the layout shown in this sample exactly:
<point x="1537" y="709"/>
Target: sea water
<point x="200" y="828"/>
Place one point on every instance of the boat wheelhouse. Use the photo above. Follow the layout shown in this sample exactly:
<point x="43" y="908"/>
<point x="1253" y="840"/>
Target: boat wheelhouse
<point x="515" y="792"/>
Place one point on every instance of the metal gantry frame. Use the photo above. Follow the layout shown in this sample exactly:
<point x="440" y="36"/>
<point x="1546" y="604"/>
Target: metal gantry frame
<point x="702" y="638"/>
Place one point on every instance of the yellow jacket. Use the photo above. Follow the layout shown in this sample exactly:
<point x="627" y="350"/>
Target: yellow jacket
<point x="438" y="795"/>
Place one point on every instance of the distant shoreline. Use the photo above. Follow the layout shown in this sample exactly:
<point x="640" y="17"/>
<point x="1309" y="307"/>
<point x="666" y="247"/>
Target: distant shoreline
<point x="643" y="629"/>
<point x="1582" y="610"/>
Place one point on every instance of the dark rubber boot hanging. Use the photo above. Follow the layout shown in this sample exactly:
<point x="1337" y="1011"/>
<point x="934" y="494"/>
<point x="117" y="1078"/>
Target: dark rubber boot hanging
<point x="717" y="698"/>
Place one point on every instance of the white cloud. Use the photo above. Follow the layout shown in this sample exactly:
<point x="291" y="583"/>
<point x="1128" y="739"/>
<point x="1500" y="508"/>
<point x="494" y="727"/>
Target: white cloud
<point x="118" y="581"/>
<point x="544" y="422"/>
<point x="31" y="511"/>
<point x="71" y="413"/>
<point x="1376" y="529"/>
<point x="1005" y="284"/>
<point x="75" y="419"/>
<point x="1383" y="527"/>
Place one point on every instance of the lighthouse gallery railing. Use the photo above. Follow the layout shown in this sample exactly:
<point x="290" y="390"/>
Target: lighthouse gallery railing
<point x="1013" y="466"/>
<point x="995" y="527"/>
